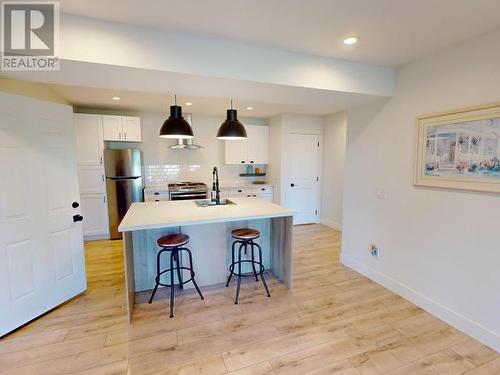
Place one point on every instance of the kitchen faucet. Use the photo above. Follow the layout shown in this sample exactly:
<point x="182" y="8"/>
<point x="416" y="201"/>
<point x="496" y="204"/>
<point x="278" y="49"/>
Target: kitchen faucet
<point x="215" y="186"/>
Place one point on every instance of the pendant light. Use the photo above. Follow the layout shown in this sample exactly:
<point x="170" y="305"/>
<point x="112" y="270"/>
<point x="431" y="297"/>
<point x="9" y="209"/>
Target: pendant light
<point x="231" y="129"/>
<point x="175" y="126"/>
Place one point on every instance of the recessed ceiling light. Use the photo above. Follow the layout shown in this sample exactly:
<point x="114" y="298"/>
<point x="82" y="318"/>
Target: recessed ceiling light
<point x="351" y="40"/>
<point x="115" y="98"/>
<point x="189" y="103"/>
<point x="249" y="108"/>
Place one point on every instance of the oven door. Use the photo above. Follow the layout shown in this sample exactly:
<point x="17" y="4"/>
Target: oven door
<point x="187" y="196"/>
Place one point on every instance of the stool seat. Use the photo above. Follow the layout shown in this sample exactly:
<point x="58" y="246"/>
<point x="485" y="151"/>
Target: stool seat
<point x="245" y="234"/>
<point x="173" y="240"/>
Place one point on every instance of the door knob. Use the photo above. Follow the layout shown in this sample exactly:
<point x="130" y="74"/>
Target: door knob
<point x="77" y="218"/>
<point x="292" y="184"/>
<point x="75" y="205"/>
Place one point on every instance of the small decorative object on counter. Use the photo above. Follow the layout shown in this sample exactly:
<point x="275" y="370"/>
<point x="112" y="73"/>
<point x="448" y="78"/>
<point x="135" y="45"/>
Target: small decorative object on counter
<point x="257" y="170"/>
<point x="249" y="169"/>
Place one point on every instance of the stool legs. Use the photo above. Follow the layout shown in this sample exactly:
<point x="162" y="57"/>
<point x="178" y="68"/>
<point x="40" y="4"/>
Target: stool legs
<point x="157" y="279"/>
<point x="253" y="264"/>
<point x="232" y="262"/>
<point x="192" y="272"/>
<point x="239" y="273"/>
<point x="175" y="267"/>
<point x="262" y="276"/>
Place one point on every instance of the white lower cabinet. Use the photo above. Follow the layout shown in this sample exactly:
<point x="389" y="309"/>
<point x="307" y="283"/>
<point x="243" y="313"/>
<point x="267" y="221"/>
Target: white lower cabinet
<point x="264" y="192"/>
<point x="95" y="216"/>
<point x="92" y="180"/>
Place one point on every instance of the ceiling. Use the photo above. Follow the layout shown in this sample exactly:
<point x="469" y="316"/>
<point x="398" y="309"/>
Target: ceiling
<point x="391" y="32"/>
<point x="138" y="101"/>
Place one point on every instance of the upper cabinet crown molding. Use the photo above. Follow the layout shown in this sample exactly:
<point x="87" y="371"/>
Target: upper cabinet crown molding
<point x="121" y="128"/>
<point x="253" y="150"/>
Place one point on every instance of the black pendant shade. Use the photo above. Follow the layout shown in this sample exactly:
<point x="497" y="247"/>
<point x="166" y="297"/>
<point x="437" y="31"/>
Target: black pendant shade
<point x="231" y="128"/>
<point x="175" y="126"/>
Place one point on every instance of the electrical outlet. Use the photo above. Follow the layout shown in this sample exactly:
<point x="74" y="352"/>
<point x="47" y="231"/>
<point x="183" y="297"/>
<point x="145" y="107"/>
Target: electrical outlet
<point x="374" y="251"/>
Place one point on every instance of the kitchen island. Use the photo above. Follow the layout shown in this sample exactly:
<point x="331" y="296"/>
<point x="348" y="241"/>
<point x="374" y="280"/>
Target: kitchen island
<point x="209" y="229"/>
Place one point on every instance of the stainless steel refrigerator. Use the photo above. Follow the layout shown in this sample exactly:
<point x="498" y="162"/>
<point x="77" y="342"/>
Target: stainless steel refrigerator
<point x="124" y="184"/>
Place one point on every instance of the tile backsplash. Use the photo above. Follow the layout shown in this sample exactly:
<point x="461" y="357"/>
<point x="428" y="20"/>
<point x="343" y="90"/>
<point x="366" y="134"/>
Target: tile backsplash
<point x="163" y="174"/>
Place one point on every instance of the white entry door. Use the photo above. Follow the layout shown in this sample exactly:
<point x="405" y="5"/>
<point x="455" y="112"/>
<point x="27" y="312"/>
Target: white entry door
<point x="303" y="185"/>
<point x="41" y="247"/>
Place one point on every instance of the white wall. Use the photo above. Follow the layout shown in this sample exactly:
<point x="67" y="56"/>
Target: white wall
<point x="439" y="248"/>
<point x="334" y="144"/>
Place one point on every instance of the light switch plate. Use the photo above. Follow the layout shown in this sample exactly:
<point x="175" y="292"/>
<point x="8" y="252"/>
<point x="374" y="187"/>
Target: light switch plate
<point x="379" y="192"/>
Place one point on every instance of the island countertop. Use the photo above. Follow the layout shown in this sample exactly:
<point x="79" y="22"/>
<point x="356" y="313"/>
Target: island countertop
<point x="151" y="215"/>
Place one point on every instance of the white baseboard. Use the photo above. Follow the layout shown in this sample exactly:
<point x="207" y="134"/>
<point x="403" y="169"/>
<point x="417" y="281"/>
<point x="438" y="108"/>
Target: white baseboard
<point x="451" y="317"/>
<point x="96" y="237"/>
<point x="331" y="223"/>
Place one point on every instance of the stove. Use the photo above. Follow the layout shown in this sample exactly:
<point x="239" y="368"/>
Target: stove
<point x="187" y="190"/>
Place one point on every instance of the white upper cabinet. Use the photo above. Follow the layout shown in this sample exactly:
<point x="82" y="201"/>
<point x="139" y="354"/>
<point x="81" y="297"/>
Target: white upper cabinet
<point x="258" y="144"/>
<point x="236" y="151"/>
<point x="131" y="128"/>
<point x="89" y="139"/>
<point x="121" y="128"/>
<point x="112" y="127"/>
<point x="253" y="150"/>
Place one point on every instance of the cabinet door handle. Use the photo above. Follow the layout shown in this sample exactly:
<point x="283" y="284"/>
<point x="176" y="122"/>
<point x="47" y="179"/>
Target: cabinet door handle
<point x="125" y="137"/>
<point x="101" y="160"/>
<point x="292" y="184"/>
<point x="240" y="191"/>
<point x="102" y="178"/>
<point x="104" y="199"/>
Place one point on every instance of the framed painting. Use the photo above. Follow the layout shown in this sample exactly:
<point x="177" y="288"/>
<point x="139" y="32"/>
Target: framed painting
<point x="460" y="149"/>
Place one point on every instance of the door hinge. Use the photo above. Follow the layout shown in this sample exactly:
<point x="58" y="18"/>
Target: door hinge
<point x="318" y="144"/>
<point x="317" y="178"/>
<point x="316" y="212"/>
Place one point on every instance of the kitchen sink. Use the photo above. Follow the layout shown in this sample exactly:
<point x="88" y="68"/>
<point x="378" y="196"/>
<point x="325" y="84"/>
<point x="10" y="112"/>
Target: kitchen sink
<point x="210" y="203"/>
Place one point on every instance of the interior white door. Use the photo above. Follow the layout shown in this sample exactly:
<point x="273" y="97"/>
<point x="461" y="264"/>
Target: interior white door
<point x="303" y="185"/>
<point x="41" y="247"/>
<point x="112" y="128"/>
<point x="131" y="127"/>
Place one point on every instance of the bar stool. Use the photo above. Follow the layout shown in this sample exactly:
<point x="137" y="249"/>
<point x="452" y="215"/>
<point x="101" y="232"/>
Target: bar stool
<point x="245" y="237"/>
<point x="174" y="243"/>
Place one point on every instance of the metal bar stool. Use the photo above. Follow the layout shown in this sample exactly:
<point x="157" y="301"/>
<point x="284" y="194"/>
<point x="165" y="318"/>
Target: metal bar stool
<point x="245" y="237"/>
<point x="174" y="243"/>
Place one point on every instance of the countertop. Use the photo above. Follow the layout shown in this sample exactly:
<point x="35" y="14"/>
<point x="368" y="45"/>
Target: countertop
<point x="150" y="215"/>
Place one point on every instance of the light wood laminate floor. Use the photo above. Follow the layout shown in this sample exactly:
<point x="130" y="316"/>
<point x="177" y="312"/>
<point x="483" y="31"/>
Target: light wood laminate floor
<point x="334" y="322"/>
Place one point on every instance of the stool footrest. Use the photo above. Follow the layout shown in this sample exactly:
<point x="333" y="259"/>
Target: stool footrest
<point x="260" y="272"/>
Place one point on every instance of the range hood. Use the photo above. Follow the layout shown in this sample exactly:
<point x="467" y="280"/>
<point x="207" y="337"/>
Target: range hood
<point x="185" y="144"/>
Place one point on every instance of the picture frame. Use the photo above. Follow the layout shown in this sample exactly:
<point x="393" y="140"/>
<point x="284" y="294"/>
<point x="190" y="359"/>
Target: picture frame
<point x="460" y="149"/>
